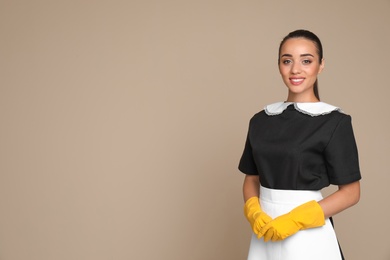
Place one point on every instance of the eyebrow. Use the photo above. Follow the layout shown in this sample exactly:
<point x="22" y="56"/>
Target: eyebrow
<point x="302" y="55"/>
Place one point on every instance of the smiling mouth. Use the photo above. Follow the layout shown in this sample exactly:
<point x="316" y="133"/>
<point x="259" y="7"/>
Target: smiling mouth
<point x="296" y="81"/>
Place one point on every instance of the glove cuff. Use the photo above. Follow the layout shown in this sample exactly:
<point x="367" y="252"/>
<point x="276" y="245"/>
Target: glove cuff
<point x="251" y="207"/>
<point x="309" y="215"/>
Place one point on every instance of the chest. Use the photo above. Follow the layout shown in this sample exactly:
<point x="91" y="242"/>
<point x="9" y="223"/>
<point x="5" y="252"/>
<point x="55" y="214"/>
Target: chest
<point x="290" y="134"/>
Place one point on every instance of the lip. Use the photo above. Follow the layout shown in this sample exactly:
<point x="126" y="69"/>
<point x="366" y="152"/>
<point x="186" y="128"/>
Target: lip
<point x="296" y="81"/>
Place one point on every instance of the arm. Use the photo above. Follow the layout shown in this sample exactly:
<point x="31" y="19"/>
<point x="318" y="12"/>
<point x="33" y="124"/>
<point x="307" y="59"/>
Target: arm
<point x="342" y="162"/>
<point x="346" y="196"/>
<point x="252" y="209"/>
<point x="251" y="186"/>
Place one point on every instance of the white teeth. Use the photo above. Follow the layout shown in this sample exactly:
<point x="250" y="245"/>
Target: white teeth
<point x="296" y="80"/>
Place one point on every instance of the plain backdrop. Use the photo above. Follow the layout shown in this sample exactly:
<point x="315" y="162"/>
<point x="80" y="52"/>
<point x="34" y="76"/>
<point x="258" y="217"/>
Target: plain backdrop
<point x="122" y="122"/>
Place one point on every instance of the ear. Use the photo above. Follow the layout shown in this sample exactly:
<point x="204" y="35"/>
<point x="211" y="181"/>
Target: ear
<point x="322" y="65"/>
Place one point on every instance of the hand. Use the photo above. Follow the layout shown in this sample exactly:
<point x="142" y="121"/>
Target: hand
<point x="254" y="214"/>
<point x="307" y="215"/>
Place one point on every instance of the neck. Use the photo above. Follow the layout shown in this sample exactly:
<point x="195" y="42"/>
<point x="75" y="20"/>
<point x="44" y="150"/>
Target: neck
<point x="299" y="98"/>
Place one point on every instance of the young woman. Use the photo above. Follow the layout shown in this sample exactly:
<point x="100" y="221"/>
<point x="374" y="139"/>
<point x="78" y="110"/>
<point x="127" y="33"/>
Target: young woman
<point x="293" y="150"/>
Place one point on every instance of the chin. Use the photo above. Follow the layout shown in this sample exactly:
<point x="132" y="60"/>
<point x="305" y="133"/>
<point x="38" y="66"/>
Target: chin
<point x="297" y="90"/>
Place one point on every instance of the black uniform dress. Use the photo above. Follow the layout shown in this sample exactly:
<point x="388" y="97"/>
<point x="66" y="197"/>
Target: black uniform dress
<point x="301" y="146"/>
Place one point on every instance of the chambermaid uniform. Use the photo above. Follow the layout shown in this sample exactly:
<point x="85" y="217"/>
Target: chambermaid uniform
<point x="297" y="149"/>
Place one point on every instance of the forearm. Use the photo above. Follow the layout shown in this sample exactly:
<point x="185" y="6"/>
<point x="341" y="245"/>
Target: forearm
<point x="251" y="186"/>
<point x="345" y="197"/>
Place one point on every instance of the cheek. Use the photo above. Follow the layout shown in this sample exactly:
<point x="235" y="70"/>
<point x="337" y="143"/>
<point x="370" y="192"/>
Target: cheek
<point x="283" y="70"/>
<point x="314" y="71"/>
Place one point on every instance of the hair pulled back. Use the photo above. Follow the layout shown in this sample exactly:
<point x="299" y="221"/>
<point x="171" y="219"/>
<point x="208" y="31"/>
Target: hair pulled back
<point x="311" y="37"/>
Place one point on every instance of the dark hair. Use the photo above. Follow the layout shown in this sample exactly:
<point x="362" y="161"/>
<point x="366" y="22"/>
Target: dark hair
<point x="309" y="36"/>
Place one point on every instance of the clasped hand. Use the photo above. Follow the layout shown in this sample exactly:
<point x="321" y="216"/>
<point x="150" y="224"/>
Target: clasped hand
<point x="307" y="215"/>
<point x="279" y="228"/>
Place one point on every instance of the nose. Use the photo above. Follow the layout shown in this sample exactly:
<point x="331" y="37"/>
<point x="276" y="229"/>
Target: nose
<point x="296" y="68"/>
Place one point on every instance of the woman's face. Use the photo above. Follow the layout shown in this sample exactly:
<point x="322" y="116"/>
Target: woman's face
<point x="299" y="66"/>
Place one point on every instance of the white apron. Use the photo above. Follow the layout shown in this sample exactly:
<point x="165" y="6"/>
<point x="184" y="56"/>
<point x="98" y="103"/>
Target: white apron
<point x="310" y="244"/>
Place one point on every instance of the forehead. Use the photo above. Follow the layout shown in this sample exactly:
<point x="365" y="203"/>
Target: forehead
<point x="297" y="46"/>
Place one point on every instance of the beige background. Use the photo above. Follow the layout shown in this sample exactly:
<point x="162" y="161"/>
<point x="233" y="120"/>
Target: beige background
<point x="122" y="122"/>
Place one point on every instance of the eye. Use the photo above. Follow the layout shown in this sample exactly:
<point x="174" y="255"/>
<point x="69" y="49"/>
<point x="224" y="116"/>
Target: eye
<point x="286" y="61"/>
<point x="306" y="61"/>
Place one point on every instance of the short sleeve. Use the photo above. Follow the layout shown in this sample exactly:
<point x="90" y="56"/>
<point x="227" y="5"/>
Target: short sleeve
<point x="341" y="154"/>
<point x="247" y="163"/>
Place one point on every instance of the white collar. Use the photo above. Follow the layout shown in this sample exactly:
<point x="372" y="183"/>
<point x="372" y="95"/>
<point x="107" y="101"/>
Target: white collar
<point x="309" y="108"/>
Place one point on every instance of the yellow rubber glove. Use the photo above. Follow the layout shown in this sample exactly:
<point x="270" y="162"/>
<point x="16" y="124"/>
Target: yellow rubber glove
<point x="256" y="217"/>
<point x="307" y="215"/>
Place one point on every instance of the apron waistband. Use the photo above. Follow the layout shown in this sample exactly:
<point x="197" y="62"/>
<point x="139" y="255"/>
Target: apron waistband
<point x="289" y="196"/>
